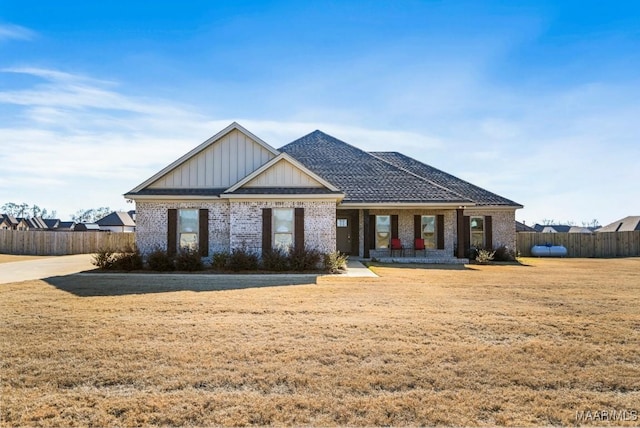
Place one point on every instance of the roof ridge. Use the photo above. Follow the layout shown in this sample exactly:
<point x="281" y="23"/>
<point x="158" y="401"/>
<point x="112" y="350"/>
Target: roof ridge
<point x="421" y="177"/>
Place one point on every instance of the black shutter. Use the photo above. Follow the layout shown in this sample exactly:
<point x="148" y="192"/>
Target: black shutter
<point x="372" y="232"/>
<point x="266" y="230"/>
<point x="417" y="226"/>
<point x="394" y="226"/>
<point x="488" y="232"/>
<point x="299" y="229"/>
<point x="440" y="232"/>
<point x="172" y="231"/>
<point x="203" y="233"/>
<point x="466" y="234"/>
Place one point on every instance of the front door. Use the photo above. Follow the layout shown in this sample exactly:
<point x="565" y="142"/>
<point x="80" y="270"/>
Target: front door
<point x="343" y="234"/>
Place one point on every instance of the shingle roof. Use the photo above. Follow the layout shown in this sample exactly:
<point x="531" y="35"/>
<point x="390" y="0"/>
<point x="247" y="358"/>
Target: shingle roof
<point x="116" y="218"/>
<point x="626" y="224"/>
<point x="382" y="177"/>
<point x="477" y="194"/>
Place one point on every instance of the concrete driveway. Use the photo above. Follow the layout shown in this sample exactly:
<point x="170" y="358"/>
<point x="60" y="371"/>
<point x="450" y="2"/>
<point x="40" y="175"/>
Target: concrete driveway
<point x="29" y="270"/>
<point x="66" y="265"/>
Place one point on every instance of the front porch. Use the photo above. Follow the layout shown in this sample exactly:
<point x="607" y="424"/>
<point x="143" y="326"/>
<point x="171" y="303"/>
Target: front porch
<point x="412" y="256"/>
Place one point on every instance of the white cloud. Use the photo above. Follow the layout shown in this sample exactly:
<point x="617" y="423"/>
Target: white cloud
<point x="15" y="32"/>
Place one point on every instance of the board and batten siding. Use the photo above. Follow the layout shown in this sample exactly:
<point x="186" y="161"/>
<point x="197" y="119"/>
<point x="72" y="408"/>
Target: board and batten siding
<point x="220" y="165"/>
<point x="283" y="174"/>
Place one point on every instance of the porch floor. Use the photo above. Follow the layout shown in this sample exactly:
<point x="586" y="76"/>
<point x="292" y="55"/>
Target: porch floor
<point x="421" y="260"/>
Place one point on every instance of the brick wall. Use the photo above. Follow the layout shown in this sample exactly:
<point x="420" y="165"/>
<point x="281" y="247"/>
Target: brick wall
<point x="151" y="224"/>
<point x="234" y="224"/>
<point x="319" y="223"/>
<point x="503" y="223"/>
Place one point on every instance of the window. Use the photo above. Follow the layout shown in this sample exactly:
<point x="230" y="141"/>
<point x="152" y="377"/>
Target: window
<point x="383" y="231"/>
<point x="477" y="232"/>
<point x="283" y="227"/>
<point x="188" y="229"/>
<point x="428" y="228"/>
<point x="342" y="222"/>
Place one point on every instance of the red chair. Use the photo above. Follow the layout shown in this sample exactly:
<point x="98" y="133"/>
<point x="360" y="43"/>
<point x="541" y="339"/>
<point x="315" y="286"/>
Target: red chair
<point x="419" y="246"/>
<point x="396" y="245"/>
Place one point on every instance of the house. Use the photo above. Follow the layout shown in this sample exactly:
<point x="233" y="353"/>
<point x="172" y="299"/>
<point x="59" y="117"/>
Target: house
<point x="87" y="227"/>
<point x="65" y="226"/>
<point x="626" y="224"/>
<point x="521" y="227"/>
<point x="559" y="228"/>
<point x="4" y="223"/>
<point x="117" y="221"/>
<point x="235" y="190"/>
<point x="52" y="223"/>
<point x="35" y="223"/>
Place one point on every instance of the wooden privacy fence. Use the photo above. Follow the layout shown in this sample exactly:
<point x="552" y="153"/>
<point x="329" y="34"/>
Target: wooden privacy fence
<point x="601" y="244"/>
<point x="47" y="243"/>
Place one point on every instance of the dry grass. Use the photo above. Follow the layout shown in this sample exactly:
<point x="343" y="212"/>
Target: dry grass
<point x="485" y="345"/>
<point x="7" y="258"/>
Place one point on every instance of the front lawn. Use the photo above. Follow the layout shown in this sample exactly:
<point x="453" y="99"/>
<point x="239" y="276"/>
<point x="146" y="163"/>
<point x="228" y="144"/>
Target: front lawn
<point x="478" y="345"/>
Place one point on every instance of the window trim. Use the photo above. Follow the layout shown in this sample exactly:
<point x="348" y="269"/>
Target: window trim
<point x="377" y="247"/>
<point x="274" y="232"/>
<point x="430" y="244"/>
<point x="180" y="232"/>
<point x="477" y="232"/>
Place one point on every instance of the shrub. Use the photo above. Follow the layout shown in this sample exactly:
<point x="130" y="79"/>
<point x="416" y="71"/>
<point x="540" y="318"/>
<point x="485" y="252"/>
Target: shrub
<point x="276" y="260"/>
<point x="188" y="259"/>
<point x="159" y="260"/>
<point x="504" y="254"/>
<point x="304" y="259"/>
<point x="103" y="259"/>
<point x="243" y="259"/>
<point x="484" y="256"/>
<point x="220" y="261"/>
<point x="335" y="262"/>
<point x="128" y="260"/>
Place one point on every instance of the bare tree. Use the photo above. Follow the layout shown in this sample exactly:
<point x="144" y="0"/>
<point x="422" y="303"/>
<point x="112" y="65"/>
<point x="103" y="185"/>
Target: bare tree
<point x="91" y="215"/>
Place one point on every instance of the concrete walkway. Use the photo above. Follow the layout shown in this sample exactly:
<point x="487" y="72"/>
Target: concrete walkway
<point x="356" y="269"/>
<point x="29" y="270"/>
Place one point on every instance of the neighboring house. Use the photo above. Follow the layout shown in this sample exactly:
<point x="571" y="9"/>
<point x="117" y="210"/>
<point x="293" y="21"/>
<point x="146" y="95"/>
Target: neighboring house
<point x="132" y="214"/>
<point x="4" y="223"/>
<point x="626" y="224"/>
<point x="86" y="227"/>
<point x="235" y="190"/>
<point x="117" y="221"/>
<point x="521" y="227"/>
<point x="66" y="226"/>
<point x="22" y="224"/>
<point x="559" y="228"/>
<point x="9" y="220"/>
<point x="52" y="223"/>
<point x="36" y="223"/>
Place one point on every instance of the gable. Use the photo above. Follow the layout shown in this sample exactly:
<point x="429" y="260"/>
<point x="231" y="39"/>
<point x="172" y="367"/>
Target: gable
<point x="213" y="166"/>
<point x="283" y="174"/>
<point x="221" y="164"/>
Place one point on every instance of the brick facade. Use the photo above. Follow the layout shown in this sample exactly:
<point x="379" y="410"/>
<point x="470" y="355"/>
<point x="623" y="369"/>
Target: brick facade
<point x="235" y="224"/>
<point x="504" y="225"/>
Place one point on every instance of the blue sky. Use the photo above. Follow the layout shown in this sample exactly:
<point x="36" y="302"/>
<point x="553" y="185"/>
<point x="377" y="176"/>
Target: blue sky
<point x="538" y="101"/>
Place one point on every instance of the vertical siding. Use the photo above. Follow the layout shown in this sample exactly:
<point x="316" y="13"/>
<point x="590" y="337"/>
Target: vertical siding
<point x="222" y="164"/>
<point x="283" y="174"/>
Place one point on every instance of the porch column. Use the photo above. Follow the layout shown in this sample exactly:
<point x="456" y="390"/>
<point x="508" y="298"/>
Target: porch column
<point x="460" y="232"/>
<point x="365" y="234"/>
